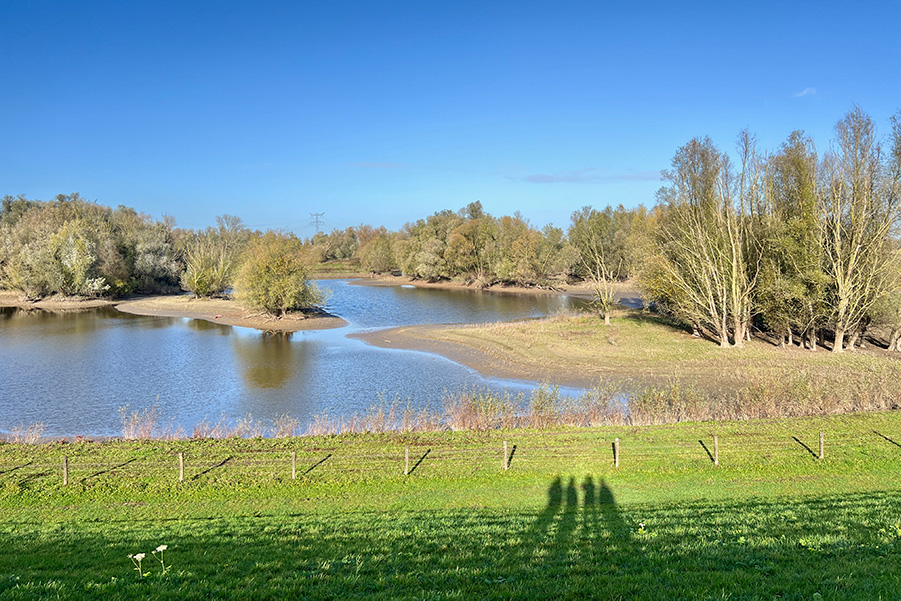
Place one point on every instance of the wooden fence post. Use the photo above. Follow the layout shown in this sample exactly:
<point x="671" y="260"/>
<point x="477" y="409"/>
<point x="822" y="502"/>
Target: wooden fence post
<point x="616" y="452"/>
<point x="716" y="450"/>
<point x="407" y="461"/>
<point x="506" y="457"/>
<point x="65" y="470"/>
<point x="181" y="467"/>
<point x="294" y="465"/>
<point x="822" y="450"/>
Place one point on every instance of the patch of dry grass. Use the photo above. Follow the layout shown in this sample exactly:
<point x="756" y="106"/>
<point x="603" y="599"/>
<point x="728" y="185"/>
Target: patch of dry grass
<point x="649" y="350"/>
<point x="764" y="396"/>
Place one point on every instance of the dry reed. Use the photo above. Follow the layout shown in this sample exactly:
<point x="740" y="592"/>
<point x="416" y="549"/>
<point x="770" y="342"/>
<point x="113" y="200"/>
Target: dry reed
<point x="284" y="426"/>
<point x="143" y="424"/>
<point x="768" y="395"/>
<point x="29" y="434"/>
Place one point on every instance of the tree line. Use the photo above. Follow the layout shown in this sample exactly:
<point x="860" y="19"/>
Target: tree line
<point x="801" y="246"/>
<point x="796" y="244"/>
<point x="73" y="247"/>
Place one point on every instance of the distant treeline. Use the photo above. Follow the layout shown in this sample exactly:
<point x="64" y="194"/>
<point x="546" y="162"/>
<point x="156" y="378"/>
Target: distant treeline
<point x="75" y="247"/>
<point x="483" y="250"/>
<point x="792" y="243"/>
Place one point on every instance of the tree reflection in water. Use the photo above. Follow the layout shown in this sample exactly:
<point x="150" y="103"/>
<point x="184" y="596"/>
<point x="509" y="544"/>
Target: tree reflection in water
<point x="270" y="359"/>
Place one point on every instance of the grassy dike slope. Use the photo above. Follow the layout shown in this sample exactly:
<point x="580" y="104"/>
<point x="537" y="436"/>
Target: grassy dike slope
<point x="771" y="521"/>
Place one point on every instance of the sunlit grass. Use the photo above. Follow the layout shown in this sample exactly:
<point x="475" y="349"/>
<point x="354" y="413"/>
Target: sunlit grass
<point x="772" y="520"/>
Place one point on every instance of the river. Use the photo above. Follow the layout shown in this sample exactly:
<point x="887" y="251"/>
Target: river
<point x="72" y="371"/>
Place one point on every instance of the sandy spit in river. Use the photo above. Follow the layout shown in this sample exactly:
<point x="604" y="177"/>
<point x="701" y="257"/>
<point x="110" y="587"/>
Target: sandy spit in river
<point x="484" y="360"/>
<point x="624" y="291"/>
<point x="227" y="312"/>
<point x="53" y="303"/>
<point x="390" y="280"/>
<point x="424" y="339"/>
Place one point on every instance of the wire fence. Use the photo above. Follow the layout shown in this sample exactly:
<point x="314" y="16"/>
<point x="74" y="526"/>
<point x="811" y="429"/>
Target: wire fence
<point x="90" y="465"/>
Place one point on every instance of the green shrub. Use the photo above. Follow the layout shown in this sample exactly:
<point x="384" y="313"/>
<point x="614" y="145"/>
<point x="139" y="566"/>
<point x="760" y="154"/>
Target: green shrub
<point x="274" y="276"/>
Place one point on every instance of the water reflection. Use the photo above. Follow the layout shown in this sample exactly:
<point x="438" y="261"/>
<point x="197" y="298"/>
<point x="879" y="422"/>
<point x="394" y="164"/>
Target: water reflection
<point x="72" y="371"/>
<point x="51" y="322"/>
<point x="269" y="359"/>
<point x="202" y="325"/>
<point x="369" y="307"/>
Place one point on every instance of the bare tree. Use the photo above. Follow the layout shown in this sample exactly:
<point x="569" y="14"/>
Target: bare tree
<point x="859" y="203"/>
<point x="601" y="278"/>
<point x="594" y="236"/>
<point x="699" y="268"/>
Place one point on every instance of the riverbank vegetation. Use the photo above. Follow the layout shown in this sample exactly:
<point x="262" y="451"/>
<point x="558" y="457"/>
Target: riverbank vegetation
<point x="752" y="512"/>
<point x="798" y="245"/>
<point x="708" y="388"/>
<point x="72" y="247"/>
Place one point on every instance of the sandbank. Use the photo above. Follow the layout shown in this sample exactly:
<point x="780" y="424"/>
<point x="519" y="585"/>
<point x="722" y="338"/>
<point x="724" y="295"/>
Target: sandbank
<point x="488" y="359"/>
<point x="228" y="312"/>
<point x="53" y="303"/>
<point x="483" y="360"/>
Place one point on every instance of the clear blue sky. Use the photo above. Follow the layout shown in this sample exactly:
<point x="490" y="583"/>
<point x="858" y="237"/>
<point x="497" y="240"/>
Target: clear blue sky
<point x="385" y="112"/>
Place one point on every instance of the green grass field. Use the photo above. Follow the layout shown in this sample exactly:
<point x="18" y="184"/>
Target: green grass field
<point x="771" y="521"/>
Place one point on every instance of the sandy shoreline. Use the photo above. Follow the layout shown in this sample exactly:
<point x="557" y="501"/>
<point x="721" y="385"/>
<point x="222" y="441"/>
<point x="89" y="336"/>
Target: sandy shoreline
<point x="217" y="310"/>
<point x="227" y="312"/>
<point x="390" y="280"/>
<point x="54" y="303"/>
<point x="625" y="292"/>
<point x="423" y="338"/>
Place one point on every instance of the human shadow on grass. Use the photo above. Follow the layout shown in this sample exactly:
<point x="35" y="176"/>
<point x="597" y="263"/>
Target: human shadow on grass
<point x="582" y="544"/>
<point x="571" y="519"/>
<point x="594" y="549"/>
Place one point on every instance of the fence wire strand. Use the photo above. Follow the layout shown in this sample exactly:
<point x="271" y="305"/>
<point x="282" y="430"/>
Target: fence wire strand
<point x="348" y="458"/>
